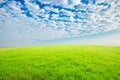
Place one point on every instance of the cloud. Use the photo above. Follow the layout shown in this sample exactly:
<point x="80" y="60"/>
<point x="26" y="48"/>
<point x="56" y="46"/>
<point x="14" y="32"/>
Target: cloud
<point x="62" y="3"/>
<point x="67" y="13"/>
<point x="52" y="19"/>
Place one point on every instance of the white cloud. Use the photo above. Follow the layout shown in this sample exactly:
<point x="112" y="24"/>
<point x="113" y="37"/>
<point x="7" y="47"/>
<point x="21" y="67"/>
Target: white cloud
<point x="31" y="6"/>
<point x="55" y="16"/>
<point x="40" y="26"/>
<point x="54" y="10"/>
<point x="55" y="2"/>
<point x="71" y="18"/>
<point x="75" y="2"/>
<point x="67" y="13"/>
<point x="82" y="7"/>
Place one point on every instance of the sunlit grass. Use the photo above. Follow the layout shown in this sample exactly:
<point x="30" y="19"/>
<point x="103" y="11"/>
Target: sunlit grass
<point x="60" y="62"/>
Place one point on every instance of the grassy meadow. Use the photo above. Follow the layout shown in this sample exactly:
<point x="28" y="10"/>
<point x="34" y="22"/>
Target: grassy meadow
<point x="60" y="62"/>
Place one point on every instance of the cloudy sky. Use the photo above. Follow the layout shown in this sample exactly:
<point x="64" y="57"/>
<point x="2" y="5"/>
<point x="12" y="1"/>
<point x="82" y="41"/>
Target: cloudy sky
<point x="44" y="20"/>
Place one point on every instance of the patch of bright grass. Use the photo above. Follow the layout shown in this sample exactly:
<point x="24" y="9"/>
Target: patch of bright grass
<point x="60" y="62"/>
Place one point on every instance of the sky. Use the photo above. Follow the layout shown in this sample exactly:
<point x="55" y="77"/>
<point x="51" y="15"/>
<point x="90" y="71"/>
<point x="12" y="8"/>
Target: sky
<point x="29" y="22"/>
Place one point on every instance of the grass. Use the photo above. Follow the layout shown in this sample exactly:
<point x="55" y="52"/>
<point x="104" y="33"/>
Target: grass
<point x="60" y="62"/>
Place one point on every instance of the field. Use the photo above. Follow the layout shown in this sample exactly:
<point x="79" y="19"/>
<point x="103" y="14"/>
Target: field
<point x="60" y="62"/>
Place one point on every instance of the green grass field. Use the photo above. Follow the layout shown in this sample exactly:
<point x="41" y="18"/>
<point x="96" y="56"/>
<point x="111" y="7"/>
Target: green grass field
<point x="60" y="62"/>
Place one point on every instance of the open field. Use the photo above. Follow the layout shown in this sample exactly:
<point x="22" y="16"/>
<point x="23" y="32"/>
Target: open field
<point x="60" y="62"/>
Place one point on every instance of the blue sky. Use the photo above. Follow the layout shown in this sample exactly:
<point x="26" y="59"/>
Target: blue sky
<point x="44" y="20"/>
